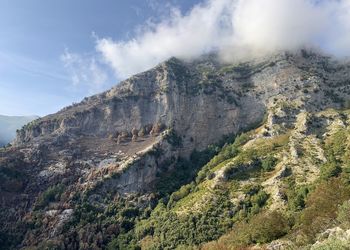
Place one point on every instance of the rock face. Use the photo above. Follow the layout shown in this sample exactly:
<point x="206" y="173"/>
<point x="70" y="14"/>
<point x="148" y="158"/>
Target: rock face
<point x="173" y="95"/>
<point x="125" y="139"/>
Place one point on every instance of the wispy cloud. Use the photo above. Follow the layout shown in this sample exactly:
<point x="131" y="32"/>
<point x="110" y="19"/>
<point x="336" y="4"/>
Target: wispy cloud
<point x="85" y="71"/>
<point x="234" y="28"/>
<point x="30" y="66"/>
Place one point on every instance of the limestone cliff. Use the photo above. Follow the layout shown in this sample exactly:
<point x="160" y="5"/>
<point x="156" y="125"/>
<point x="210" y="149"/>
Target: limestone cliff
<point x="200" y="102"/>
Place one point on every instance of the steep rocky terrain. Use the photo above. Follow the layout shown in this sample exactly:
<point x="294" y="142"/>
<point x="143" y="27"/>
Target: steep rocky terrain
<point x="135" y="166"/>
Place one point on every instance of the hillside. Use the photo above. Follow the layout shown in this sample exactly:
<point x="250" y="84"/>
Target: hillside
<point x="284" y="183"/>
<point x="189" y="155"/>
<point x="9" y="125"/>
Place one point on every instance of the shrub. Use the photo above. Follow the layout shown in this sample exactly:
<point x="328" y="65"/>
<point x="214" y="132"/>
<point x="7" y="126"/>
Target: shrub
<point x="174" y="139"/>
<point x="227" y="152"/>
<point x="269" y="163"/>
<point x="332" y="243"/>
<point x="125" y="242"/>
<point x="178" y="195"/>
<point x="321" y="208"/>
<point x="260" y="198"/>
<point x="215" y="246"/>
<point x="267" y="227"/>
<point x="296" y="200"/>
<point x="343" y="214"/>
<point x="262" y="228"/>
<point x="330" y="169"/>
<point x="130" y="212"/>
<point x="251" y="189"/>
<point x="52" y="194"/>
<point x="169" y="229"/>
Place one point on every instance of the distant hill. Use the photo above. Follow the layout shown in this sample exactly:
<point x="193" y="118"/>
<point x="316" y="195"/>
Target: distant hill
<point x="9" y="125"/>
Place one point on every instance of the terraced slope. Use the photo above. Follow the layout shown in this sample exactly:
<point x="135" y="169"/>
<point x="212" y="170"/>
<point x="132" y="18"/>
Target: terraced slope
<point x="284" y="185"/>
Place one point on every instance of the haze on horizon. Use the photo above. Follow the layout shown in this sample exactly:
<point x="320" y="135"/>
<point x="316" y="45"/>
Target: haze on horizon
<point x="53" y="54"/>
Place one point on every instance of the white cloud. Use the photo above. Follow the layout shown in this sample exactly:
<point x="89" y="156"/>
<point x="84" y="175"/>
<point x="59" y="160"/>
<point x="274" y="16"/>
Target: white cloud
<point x="234" y="28"/>
<point x="263" y="26"/>
<point x="182" y="36"/>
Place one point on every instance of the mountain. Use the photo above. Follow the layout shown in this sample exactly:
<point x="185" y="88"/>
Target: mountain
<point x="189" y="155"/>
<point x="9" y="125"/>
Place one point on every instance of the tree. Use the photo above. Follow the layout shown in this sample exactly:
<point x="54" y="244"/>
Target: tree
<point x="269" y="163"/>
<point x="134" y="133"/>
<point x="343" y="214"/>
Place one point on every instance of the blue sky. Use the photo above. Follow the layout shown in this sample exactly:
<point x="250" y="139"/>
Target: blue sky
<point x="35" y="33"/>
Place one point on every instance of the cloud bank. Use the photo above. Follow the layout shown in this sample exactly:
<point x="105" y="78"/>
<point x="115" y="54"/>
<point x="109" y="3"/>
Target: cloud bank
<point x="235" y="29"/>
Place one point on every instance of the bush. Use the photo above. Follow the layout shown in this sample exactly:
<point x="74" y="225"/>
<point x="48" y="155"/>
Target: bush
<point x="321" y="208"/>
<point x="297" y="197"/>
<point x="298" y="202"/>
<point x="228" y="151"/>
<point x="251" y="189"/>
<point x="267" y="227"/>
<point x="130" y="212"/>
<point x="260" y="198"/>
<point x="343" y="214"/>
<point x="330" y="169"/>
<point x="174" y="139"/>
<point x="123" y="242"/>
<point x="178" y="195"/>
<point x="52" y="194"/>
<point x="269" y="163"/>
<point x="262" y="228"/>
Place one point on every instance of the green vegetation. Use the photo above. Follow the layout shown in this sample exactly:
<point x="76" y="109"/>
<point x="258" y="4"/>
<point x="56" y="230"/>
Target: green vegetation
<point x="52" y="194"/>
<point x="109" y="227"/>
<point x="228" y="151"/>
<point x="310" y="208"/>
<point x="330" y="169"/>
<point x="255" y="199"/>
<point x="168" y="229"/>
<point x="297" y="197"/>
<point x="343" y="214"/>
<point x="174" y="139"/>
<point x="183" y="172"/>
<point x="269" y="163"/>
<point x="261" y="228"/>
<point x="321" y="208"/>
<point x="11" y="180"/>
